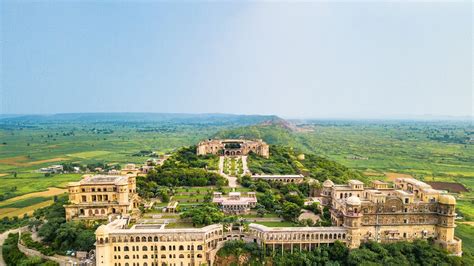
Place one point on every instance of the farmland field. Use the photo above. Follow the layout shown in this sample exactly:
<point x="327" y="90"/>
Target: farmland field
<point x="430" y="151"/>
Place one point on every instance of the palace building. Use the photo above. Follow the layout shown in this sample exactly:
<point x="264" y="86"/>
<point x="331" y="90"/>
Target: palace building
<point x="233" y="147"/>
<point x="235" y="203"/>
<point x="98" y="196"/>
<point x="280" y="178"/>
<point x="410" y="210"/>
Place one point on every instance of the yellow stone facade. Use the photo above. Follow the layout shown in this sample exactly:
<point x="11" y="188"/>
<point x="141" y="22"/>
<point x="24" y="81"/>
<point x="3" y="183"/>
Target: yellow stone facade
<point x="233" y="147"/>
<point x="152" y="245"/>
<point x="410" y="210"/>
<point x="95" y="197"/>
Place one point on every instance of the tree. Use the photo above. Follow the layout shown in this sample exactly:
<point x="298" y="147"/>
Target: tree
<point x="290" y="211"/>
<point x="204" y="215"/>
<point x="261" y="211"/>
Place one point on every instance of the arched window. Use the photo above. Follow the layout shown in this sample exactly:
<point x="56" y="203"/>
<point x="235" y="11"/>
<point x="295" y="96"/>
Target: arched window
<point x="145" y="256"/>
<point x="143" y="239"/>
<point x="163" y="247"/>
<point x="181" y="247"/>
<point x="199" y="255"/>
<point x="125" y="248"/>
<point x="199" y="247"/>
<point x="126" y="257"/>
<point x="144" y="248"/>
<point x="181" y="256"/>
<point x="156" y="239"/>
<point x="163" y="256"/>
<point x="150" y="239"/>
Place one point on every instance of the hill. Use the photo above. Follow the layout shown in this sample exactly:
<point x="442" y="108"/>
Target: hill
<point x="162" y="118"/>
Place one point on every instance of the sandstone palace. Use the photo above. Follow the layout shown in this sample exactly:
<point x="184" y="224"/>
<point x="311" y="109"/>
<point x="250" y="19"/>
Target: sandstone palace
<point x="231" y="147"/>
<point x="408" y="210"/>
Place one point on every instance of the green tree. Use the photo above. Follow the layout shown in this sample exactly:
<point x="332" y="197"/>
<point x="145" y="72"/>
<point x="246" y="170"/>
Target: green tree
<point x="290" y="211"/>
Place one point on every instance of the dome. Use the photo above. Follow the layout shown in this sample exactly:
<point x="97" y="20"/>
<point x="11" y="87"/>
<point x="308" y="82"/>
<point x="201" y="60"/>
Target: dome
<point x="353" y="200"/>
<point x="328" y="183"/>
<point x="101" y="230"/>
<point x="447" y="199"/>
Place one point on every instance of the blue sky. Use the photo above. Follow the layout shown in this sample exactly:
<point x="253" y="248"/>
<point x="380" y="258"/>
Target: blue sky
<point x="351" y="60"/>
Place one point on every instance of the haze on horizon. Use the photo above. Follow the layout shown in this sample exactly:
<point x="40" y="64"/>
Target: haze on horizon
<point x="306" y="60"/>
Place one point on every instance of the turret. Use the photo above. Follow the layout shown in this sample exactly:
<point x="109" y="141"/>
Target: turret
<point x="445" y="228"/>
<point x="353" y="220"/>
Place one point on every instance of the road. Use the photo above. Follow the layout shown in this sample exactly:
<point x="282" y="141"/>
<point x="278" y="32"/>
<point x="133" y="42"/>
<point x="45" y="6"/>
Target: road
<point x="3" y="237"/>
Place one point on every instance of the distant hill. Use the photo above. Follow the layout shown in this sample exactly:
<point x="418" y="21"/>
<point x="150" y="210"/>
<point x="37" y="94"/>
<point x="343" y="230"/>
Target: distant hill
<point x="174" y="118"/>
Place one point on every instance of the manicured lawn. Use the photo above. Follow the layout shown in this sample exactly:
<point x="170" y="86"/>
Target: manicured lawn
<point x="277" y="224"/>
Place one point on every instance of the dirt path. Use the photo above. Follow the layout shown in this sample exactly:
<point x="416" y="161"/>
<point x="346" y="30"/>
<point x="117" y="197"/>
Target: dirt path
<point x="4" y="236"/>
<point x="468" y="223"/>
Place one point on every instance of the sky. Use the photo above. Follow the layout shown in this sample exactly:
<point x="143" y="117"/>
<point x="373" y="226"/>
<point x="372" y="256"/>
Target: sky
<point x="292" y="59"/>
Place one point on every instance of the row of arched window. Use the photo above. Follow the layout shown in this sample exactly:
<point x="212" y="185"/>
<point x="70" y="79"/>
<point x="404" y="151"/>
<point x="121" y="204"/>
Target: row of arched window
<point x="152" y="256"/>
<point x="163" y="248"/>
<point x="303" y="237"/>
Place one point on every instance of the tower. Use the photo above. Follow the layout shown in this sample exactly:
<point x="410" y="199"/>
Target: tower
<point x="352" y="221"/>
<point x="445" y="227"/>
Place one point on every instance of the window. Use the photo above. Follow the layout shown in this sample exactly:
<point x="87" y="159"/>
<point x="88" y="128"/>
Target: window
<point x="125" y="248"/>
<point x="144" y="248"/>
<point x="406" y="200"/>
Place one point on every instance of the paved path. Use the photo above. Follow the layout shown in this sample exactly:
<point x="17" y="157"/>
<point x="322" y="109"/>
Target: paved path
<point x="245" y="166"/>
<point x="3" y="237"/>
<point x="232" y="179"/>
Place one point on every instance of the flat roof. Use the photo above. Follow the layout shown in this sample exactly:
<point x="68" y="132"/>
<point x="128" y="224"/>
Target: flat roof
<point x="278" y="176"/>
<point x="102" y="180"/>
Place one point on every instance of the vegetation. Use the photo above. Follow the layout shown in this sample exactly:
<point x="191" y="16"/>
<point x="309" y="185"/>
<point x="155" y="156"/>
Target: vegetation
<point x="234" y="250"/>
<point x="30" y="243"/>
<point x="284" y="160"/>
<point x="205" y="214"/>
<point x="371" y="253"/>
<point x="13" y="256"/>
<point x="60" y="235"/>
<point x="183" y="168"/>
<point x="14" y="222"/>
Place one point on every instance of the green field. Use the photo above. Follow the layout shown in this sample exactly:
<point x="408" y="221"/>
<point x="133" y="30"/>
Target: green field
<point x="25" y="203"/>
<point x="431" y="151"/>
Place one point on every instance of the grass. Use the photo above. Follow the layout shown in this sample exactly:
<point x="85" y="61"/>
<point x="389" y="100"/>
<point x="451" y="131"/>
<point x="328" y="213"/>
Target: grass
<point x="25" y="202"/>
<point x="397" y="147"/>
<point x="26" y="183"/>
<point x="277" y="224"/>
<point x="466" y="233"/>
<point x="89" y="154"/>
